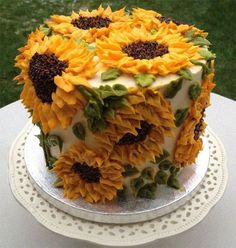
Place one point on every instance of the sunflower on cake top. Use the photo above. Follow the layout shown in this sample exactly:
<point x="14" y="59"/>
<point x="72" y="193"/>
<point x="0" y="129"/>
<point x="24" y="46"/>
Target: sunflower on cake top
<point x="119" y="98"/>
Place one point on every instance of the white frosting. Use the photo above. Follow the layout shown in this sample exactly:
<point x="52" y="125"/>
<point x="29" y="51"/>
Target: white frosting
<point x="181" y="100"/>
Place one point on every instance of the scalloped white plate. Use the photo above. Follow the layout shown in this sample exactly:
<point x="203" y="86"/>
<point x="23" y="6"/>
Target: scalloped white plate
<point x="179" y="220"/>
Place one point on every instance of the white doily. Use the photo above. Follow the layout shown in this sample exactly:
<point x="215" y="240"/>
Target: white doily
<point x="119" y="235"/>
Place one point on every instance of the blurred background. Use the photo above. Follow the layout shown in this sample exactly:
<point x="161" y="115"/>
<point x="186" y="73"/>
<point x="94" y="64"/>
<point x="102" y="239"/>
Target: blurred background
<point x="218" y="17"/>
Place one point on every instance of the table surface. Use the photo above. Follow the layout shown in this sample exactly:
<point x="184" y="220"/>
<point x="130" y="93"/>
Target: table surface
<point x="18" y="228"/>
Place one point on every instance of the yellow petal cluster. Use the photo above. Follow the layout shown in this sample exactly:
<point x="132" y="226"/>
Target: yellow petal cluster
<point x="187" y="148"/>
<point x="180" y="52"/>
<point x="155" y="110"/>
<point x="75" y="187"/>
<point x="63" y="24"/>
<point x="66" y="100"/>
<point x="149" y="19"/>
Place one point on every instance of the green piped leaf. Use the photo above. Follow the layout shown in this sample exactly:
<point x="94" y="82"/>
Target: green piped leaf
<point x="130" y="171"/>
<point x="161" y="177"/>
<point x="186" y="74"/>
<point x="194" y="91"/>
<point x="174" y="170"/>
<point x="165" y="165"/>
<point x="180" y="116"/>
<point x="147" y="173"/>
<point x="79" y="130"/>
<point x="190" y="35"/>
<point x="148" y="191"/>
<point x="102" y="103"/>
<point x="109" y="113"/>
<point x="205" y="69"/>
<point x="40" y="138"/>
<point x="206" y="54"/>
<point x="144" y="79"/>
<point x="138" y="183"/>
<point x="173" y="182"/>
<point x="58" y="183"/>
<point x="172" y="89"/>
<point x="165" y="154"/>
<point x="54" y="140"/>
<point x="51" y="161"/>
<point x="46" y="30"/>
<point x="201" y="41"/>
<point x="110" y="74"/>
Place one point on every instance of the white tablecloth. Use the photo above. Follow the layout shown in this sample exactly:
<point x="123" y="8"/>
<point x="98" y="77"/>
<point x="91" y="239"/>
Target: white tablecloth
<point x="18" y="229"/>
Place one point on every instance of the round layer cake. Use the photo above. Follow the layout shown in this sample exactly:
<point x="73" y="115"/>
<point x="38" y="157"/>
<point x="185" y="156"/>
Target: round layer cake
<point x="119" y="98"/>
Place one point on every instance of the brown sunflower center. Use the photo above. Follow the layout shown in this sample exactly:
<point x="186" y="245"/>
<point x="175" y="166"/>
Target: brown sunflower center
<point x="42" y="70"/>
<point x="168" y="20"/>
<point x="129" y="139"/>
<point x="145" y="49"/>
<point x="199" y="126"/>
<point x="87" y="173"/>
<point x="91" y="22"/>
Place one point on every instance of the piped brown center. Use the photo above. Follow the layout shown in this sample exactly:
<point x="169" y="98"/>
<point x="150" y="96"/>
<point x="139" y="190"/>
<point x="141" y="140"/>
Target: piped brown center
<point x="42" y="70"/>
<point x="145" y="49"/>
<point x="199" y="126"/>
<point x="168" y="20"/>
<point x="129" y="139"/>
<point x="88" y="173"/>
<point x="91" y="22"/>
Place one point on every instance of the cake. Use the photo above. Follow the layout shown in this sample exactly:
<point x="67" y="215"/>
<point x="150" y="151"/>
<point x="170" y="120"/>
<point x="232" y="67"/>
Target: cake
<point x="119" y="98"/>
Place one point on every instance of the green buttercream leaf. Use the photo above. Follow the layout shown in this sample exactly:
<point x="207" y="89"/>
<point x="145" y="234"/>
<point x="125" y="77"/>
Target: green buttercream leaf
<point x="180" y="116"/>
<point x="116" y="90"/>
<point x="174" y="170"/>
<point x="58" y="183"/>
<point x="144" y="79"/>
<point x="194" y="91"/>
<point x="165" y="165"/>
<point x="130" y="171"/>
<point x="54" y="140"/>
<point x="165" y="154"/>
<point x="201" y="41"/>
<point x="46" y="30"/>
<point x="119" y="89"/>
<point x="86" y="44"/>
<point x="161" y="177"/>
<point x="51" y="161"/>
<point x="109" y="113"/>
<point x="118" y="102"/>
<point x="93" y="110"/>
<point x="206" y="54"/>
<point x="190" y="35"/>
<point x="110" y="74"/>
<point x="186" y="74"/>
<point x="147" y="173"/>
<point x="79" y="130"/>
<point x="205" y="68"/>
<point x="172" y="89"/>
<point x="148" y="191"/>
<point x="173" y="182"/>
<point x="40" y="137"/>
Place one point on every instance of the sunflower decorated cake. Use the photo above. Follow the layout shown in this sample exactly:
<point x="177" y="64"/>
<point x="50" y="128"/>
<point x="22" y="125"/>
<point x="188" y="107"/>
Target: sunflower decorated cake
<point x="119" y="97"/>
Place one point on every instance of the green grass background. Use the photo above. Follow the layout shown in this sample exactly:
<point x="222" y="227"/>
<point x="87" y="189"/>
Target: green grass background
<point x="19" y="18"/>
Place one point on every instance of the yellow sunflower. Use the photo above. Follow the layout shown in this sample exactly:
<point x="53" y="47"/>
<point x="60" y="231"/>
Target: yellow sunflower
<point x="153" y="20"/>
<point x="189" y="142"/>
<point x="86" y="175"/>
<point x="156" y="121"/>
<point x="88" y="25"/>
<point x="139" y="51"/>
<point x="50" y="70"/>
